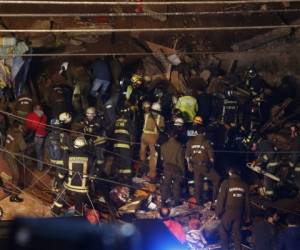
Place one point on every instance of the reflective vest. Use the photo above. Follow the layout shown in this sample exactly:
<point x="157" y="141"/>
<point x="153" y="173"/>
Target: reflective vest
<point x="77" y="179"/>
<point x="188" y="107"/>
<point x="121" y="133"/>
<point x="147" y="129"/>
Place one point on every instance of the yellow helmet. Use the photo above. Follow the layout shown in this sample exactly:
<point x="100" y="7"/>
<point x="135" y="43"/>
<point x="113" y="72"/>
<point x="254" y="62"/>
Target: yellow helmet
<point x="136" y="79"/>
<point x="198" y="120"/>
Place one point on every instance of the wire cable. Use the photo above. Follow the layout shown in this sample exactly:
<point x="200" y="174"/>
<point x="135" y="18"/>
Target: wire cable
<point x="47" y="2"/>
<point x="137" y="143"/>
<point x="147" y="14"/>
<point x="270" y="52"/>
<point x="181" y="29"/>
<point x="50" y="128"/>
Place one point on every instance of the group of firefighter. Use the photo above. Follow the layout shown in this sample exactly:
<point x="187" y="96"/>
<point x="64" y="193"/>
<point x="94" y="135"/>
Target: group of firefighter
<point x="161" y="135"/>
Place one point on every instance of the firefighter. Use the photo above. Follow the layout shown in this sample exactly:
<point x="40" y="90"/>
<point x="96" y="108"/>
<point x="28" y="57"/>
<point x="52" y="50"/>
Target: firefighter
<point x="24" y="105"/>
<point x="172" y="155"/>
<point x="79" y="167"/>
<point x="232" y="207"/>
<point x="200" y="158"/>
<point x="57" y="100"/>
<point x="66" y="142"/>
<point x="230" y="109"/>
<point x="123" y="135"/>
<point x="266" y="158"/>
<point x="188" y="106"/>
<point x="55" y="153"/>
<point x="256" y="112"/>
<point x="154" y="123"/>
<point x="95" y="135"/>
<point x="14" y="143"/>
<point x="254" y="82"/>
<point x="132" y="93"/>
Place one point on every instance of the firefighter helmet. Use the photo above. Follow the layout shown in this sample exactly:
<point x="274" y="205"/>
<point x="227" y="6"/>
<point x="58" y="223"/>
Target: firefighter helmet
<point x="65" y="117"/>
<point x="136" y="79"/>
<point x="156" y="107"/>
<point x="80" y="142"/>
<point x="198" y="120"/>
<point x="90" y="112"/>
<point x="146" y="104"/>
<point x="178" y="121"/>
<point x="252" y="72"/>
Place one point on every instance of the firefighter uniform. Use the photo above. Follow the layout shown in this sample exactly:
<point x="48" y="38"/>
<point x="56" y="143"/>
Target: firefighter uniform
<point x="267" y="159"/>
<point x="123" y="132"/>
<point x="78" y="169"/>
<point x="172" y="155"/>
<point x="57" y="100"/>
<point x="153" y="122"/>
<point x="232" y="206"/>
<point x="230" y="111"/>
<point x="14" y="143"/>
<point x="56" y="156"/>
<point x="199" y="155"/>
<point x="98" y="140"/>
<point x="24" y="105"/>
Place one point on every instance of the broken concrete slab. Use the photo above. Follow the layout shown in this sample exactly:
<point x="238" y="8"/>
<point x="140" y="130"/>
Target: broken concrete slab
<point x="260" y="40"/>
<point x="178" y="82"/>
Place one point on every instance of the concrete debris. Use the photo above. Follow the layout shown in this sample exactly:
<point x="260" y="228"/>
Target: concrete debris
<point x="44" y="41"/>
<point x="75" y="42"/>
<point x="178" y="82"/>
<point x="87" y="39"/>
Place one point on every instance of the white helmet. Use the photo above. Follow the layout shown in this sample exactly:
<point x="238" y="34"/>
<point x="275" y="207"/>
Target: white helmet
<point x="156" y="107"/>
<point x="90" y="112"/>
<point x="65" y="117"/>
<point x="146" y="104"/>
<point x="80" y="142"/>
<point x="178" y="122"/>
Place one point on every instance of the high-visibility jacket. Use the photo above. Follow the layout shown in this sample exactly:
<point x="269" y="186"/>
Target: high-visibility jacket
<point x="122" y="133"/>
<point x="152" y="123"/>
<point x="188" y="107"/>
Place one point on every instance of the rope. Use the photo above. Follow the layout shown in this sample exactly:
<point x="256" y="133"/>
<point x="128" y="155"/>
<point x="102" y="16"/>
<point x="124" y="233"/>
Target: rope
<point x="144" y="3"/>
<point x="146" y="14"/>
<point x="181" y="29"/>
